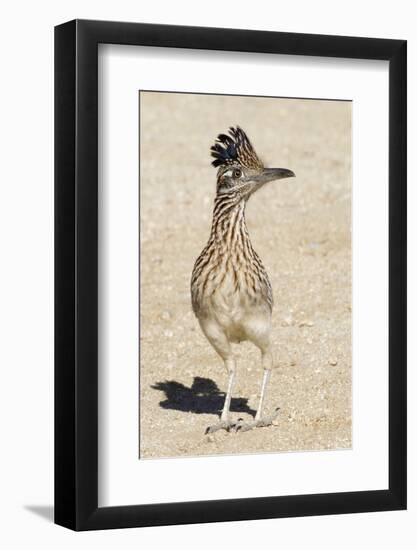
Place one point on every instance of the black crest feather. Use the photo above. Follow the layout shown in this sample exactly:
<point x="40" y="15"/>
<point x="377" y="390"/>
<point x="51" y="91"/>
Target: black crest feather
<point x="234" y="148"/>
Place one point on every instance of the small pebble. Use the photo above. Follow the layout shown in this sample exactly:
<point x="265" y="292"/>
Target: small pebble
<point x="306" y="324"/>
<point x="333" y="362"/>
<point x="157" y="260"/>
<point x="287" y="321"/>
<point x="168" y="333"/>
<point x="166" y="315"/>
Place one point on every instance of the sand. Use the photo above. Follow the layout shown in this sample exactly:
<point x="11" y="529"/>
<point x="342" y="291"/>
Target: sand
<point x="300" y="227"/>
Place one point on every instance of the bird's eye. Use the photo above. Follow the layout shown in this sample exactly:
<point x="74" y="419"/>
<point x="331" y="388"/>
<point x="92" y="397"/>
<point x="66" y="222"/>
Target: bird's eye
<point x="237" y="173"/>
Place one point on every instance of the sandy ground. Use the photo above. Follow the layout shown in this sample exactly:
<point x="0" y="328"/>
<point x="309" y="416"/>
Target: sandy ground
<point x="301" y="230"/>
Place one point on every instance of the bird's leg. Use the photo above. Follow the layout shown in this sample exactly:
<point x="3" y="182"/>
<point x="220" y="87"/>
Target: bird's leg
<point x="231" y="368"/>
<point x="260" y="421"/>
<point x="225" y="422"/>
<point x="265" y="380"/>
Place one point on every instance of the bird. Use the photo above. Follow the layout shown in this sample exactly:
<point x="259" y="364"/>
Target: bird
<point x="231" y="294"/>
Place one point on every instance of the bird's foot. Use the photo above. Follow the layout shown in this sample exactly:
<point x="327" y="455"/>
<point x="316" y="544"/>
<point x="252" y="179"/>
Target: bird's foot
<point x="242" y="426"/>
<point x="227" y="425"/>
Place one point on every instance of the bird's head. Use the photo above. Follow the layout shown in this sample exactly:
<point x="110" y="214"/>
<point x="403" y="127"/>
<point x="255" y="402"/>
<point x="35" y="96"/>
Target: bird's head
<point x="239" y="168"/>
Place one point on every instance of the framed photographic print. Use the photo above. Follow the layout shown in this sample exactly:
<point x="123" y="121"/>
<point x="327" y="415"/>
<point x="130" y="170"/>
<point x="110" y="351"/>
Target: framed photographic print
<point x="230" y="338"/>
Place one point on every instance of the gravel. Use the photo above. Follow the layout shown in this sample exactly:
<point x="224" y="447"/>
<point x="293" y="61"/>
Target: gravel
<point x="301" y="230"/>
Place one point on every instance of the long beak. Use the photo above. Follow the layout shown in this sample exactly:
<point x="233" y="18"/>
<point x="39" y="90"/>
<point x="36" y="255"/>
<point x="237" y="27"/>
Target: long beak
<point x="268" y="174"/>
<point x="271" y="174"/>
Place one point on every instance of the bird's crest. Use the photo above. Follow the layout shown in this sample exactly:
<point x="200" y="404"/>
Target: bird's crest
<point x="235" y="148"/>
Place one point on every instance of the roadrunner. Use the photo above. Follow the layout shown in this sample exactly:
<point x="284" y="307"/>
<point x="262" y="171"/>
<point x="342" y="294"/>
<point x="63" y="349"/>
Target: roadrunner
<point x="230" y="289"/>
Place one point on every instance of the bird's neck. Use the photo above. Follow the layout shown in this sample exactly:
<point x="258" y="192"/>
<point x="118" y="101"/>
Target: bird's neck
<point x="228" y="229"/>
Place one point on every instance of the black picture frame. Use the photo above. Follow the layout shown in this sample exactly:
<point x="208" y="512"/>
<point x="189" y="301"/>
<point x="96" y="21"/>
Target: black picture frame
<point x="76" y="272"/>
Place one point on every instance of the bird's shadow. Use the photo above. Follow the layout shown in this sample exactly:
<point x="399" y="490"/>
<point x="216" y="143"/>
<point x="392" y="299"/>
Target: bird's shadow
<point x="202" y="397"/>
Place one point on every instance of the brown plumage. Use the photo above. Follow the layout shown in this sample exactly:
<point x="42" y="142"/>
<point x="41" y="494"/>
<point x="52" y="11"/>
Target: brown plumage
<point x="230" y="290"/>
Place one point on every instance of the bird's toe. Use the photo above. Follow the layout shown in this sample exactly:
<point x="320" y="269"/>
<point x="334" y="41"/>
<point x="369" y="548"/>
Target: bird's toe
<point x="262" y="422"/>
<point x="221" y="425"/>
